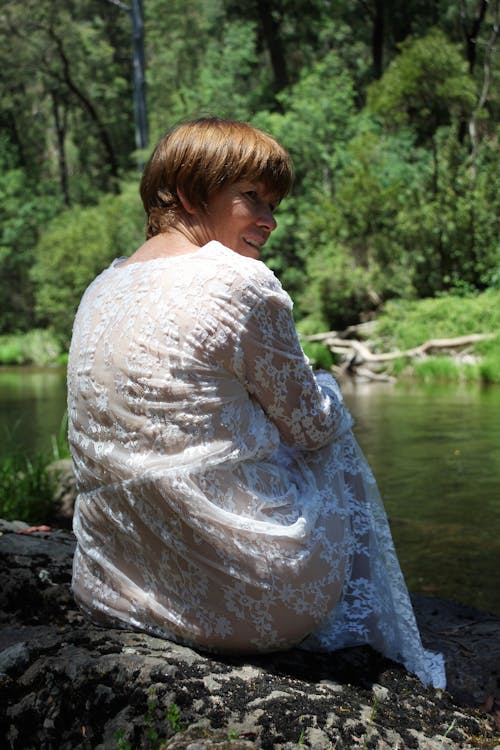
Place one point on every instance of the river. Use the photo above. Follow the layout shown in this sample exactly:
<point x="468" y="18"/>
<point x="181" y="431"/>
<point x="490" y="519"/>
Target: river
<point x="435" y="450"/>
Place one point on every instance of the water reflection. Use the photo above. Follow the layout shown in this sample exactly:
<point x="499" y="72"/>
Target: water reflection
<point x="433" y="448"/>
<point x="435" y="453"/>
<point x="32" y="406"/>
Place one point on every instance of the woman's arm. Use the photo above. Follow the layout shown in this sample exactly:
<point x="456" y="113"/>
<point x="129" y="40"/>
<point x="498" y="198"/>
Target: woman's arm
<point x="308" y="411"/>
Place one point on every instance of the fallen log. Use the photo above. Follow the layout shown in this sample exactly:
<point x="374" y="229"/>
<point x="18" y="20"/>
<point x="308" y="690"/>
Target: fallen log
<point x="363" y="353"/>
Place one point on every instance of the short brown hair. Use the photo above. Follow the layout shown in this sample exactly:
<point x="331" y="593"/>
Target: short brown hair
<point x="200" y="157"/>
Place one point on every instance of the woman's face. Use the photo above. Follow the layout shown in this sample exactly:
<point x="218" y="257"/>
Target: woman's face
<point x="240" y="216"/>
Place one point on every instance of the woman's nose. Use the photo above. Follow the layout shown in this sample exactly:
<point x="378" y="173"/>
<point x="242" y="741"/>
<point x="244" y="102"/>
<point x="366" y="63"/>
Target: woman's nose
<point x="266" y="218"/>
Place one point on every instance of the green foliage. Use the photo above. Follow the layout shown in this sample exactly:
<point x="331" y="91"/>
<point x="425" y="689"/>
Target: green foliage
<point x="317" y="120"/>
<point x="69" y="106"/>
<point x="449" y="225"/>
<point x="355" y="257"/>
<point x="489" y="366"/>
<point x="240" y="83"/>
<point x="152" y="737"/>
<point x="177" y="34"/>
<point x="37" y="347"/>
<point x="338" y="289"/>
<point x="23" y="211"/>
<point x="300" y="741"/>
<point x="489" y="369"/>
<point x="389" y="201"/>
<point x="121" y="742"/>
<point x="10" y="351"/>
<point x="427" y="85"/>
<point x="26" y="488"/>
<point x="77" y="246"/>
<point x="318" y="354"/>
<point x="437" y="368"/>
<point x="405" y="324"/>
<point x="315" y="126"/>
<point x="173" y="716"/>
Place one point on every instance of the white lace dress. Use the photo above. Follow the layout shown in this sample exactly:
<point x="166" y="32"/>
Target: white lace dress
<point x="223" y="500"/>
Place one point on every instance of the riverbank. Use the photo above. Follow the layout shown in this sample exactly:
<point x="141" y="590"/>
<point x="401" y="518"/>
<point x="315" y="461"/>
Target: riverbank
<point x="39" y="347"/>
<point x="448" y="338"/>
<point x="71" y="685"/>
<point x="400" y="327"/>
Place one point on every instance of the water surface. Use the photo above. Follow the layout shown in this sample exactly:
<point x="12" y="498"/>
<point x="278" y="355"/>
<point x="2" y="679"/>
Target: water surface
<point x="32" y="407"/>
<point x="434" y="449"/>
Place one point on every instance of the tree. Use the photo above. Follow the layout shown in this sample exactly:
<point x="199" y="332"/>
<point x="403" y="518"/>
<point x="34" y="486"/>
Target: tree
<point x="317" y="122"/>
<point x="426" y="86"/>
<point x="22" y="211"/>
<point x="139" y="76"/>
<point x="78" y="244"/>
<point x="355" y="259"/>
<point x="63" y="61"/>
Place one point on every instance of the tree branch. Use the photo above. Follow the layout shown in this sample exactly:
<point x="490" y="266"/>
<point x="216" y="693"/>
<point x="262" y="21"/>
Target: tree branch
<point x="87" y="104"/>
<point x="484" y="92"/>
<point x="360" y="352"/>
<point x="120" y="5"/>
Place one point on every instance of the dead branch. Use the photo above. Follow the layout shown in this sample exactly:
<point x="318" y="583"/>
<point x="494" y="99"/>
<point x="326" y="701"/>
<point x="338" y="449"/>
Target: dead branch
<point x="359" y="353"/>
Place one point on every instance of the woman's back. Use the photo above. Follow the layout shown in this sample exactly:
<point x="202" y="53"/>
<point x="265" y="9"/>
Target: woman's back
<point x="223" y="500"/>
<point x="165" y="433"/>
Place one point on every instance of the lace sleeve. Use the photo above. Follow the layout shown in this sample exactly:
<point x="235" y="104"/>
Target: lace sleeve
<point x="269" y="359"/>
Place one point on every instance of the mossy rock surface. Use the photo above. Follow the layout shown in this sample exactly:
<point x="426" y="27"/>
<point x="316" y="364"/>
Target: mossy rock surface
<point x="67" y="684"/>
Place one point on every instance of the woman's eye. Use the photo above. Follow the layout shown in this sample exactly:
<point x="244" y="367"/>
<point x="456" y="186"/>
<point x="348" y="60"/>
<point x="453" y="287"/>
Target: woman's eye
<point x="254" y="196"/>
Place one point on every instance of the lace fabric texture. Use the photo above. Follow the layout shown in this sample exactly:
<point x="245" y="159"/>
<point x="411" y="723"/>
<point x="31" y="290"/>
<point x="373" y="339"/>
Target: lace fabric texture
<point x="223" y="500"/>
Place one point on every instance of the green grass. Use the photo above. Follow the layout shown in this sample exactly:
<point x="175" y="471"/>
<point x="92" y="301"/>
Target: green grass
<point x="318" y="354"/>
<point x="26" y="488"/>
<point x="37" y="347"/>
<point x="406" y="324"/>
<point x="27" y="485"/>
<point x="438" y="367"/>
<point x="152" y="738"/>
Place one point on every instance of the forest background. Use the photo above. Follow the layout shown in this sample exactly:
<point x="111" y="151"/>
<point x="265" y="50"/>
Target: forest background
<point x="389" y="110"/>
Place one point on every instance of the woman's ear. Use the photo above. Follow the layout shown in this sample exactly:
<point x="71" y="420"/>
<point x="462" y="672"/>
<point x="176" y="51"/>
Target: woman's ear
<point x="185" y="203"/>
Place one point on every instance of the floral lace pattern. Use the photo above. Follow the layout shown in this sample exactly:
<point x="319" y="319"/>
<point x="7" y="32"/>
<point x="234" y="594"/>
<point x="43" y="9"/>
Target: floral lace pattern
<point x="223" y="500"/>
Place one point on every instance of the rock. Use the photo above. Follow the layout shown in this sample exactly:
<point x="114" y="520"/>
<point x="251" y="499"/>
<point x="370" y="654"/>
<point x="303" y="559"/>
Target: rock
<point x="65" y="492"/>
<point x="66" y="684"/>
<point x="13" y="658"/>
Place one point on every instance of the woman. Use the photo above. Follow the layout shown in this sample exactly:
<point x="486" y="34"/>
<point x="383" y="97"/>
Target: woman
<point x="223" y="500"/>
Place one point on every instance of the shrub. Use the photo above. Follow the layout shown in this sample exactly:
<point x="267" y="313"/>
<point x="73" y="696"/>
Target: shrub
<point x="37" y="347"/>
<point x="77" y="246"/>
<point x="26" y="488"/>
<point x="437" y="368"/>
<point x="489" y="368"/>
<point x="11" y="351"/>
<point x="318" y="354"/>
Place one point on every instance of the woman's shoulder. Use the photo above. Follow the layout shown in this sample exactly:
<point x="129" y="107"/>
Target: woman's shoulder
<point x="213" y="271"/>
<point x="242" y="270"/>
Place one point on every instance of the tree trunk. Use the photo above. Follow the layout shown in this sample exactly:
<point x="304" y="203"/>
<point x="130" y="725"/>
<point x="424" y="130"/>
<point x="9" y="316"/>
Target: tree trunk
<point x="60" y="126"/>
<point x="471" y="33"/>
<point x="139" y="82"/>
<point x="271" y="33"/>
<point x="378" y="34"/>
<point x="90" y="109"/>
<point x="483" y="96"/>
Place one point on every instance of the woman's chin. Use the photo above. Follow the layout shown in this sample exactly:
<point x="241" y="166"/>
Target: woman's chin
<point x="249" y="251"/>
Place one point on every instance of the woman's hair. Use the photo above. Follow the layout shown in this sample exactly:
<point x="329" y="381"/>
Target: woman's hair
<point x="198" y="158"/>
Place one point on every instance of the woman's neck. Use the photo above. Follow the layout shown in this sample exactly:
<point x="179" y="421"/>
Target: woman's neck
<point x="165" y="245"/>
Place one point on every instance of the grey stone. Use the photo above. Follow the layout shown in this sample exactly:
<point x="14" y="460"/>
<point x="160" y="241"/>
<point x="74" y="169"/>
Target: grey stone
<point x="14" y="658"/>
<point x="67" y="684"/>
